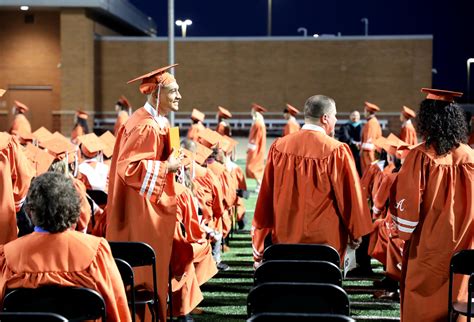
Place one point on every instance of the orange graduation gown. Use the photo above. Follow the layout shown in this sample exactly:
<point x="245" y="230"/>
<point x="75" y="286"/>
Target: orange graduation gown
<point x="291" y="126"/>
<point x="435" y="213"/>
<point x="70" y="259"/>
<point x="310" y="193"/>
<point x="256" y="151"/>
<point x="408" y="133"/>
<point x="20" y="124"/>
<point x="122" y="117"/>
<point x="370" y="133"/>
<point x="141" y="200"/>
<point x="194" y="130"/>
<point x="86" y="210"/>
<point x="15" y="177"/>
<point x="78" y="130"/>
<point x="223" y="128"/>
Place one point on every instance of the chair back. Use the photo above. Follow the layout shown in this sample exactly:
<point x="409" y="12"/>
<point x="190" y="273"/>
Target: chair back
<point x="128" y="278"/>
<point x="134" y="253"/>
<point x="299" y="317"/>
<point x="316" y="252"/>
<point x="298" y="271"/>
<point x="31" y="316"/>
<point x="297" y="298"/>
<point x="74" y="303"/>
<point x="462" y="262"/>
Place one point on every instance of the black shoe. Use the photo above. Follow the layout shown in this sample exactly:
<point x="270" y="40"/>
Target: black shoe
<point x="241" y="223"/>
<point x="222" y="267"/>
<point x="386" y="283"/>
<point x="360" y="272"/>
<point x="185" y="318"/>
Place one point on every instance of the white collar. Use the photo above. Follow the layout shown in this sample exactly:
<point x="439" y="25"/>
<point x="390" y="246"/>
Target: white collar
<point x="161" y="120"/>
<point x="406" y="122"/>
<point x="292" y="118"/>
<point x="313" y="127"/>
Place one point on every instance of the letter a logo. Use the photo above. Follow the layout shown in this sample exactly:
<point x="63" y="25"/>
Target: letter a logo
<point x="399" y="205"/>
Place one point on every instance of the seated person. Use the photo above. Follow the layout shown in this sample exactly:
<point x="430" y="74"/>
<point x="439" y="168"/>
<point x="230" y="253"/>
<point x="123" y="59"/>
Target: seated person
<point x="62" y="256"/>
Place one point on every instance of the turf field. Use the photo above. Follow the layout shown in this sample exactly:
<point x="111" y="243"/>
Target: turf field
<point x="225" y="295"/>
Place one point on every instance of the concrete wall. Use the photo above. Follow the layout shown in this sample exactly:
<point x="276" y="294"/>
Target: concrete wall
<point x="234" y="73"/>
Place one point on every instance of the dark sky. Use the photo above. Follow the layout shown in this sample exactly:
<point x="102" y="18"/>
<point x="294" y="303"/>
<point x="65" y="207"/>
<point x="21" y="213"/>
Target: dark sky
<point x="452" y="26"/>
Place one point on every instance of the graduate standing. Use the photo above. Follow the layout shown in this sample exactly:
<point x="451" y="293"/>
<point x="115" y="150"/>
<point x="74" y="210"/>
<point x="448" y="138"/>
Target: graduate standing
<point x="257" y="146"/>
<point x="371" y="132"/>
<point x="289" y="113"/>
<point x="408" y="132"/>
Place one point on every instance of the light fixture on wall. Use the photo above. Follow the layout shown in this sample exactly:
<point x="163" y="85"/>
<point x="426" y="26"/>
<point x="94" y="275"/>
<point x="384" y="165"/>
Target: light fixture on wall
<point x="183" y="24"/>
<point x="24" y="8"/>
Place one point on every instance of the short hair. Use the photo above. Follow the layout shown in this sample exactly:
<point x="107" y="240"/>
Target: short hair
<point x="318" y="105"/>
<point x="442" y="125"/>
<point x="353" y="111"/>
<point x="188" y="145"/>
<point x="53" y="202"/>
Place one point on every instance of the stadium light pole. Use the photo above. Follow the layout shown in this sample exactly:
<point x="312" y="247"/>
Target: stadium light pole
<point x="269" y="18"/>
<point x="303" y="30"/>
<point x="366" y="25"/>
<point x="469" y="62"/>
<point x="171" y="45"/>
<point x="184" y="26"/>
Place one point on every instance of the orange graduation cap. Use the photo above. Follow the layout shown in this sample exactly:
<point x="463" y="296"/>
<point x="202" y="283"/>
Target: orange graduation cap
<point x="60" y="147"/>
<point x="2" y="92"/>
<point x="228" y="144"/>
<point x="124" y="102"/>
<point x="440" y="95"/>
<point x="408" y="112"/>
<point x="383" y="143"/>
<point x="42" y="134"/>
<point x="40" y="159"/>
<point x="197" y="115"/>
<point x="150" y="81"/>
<point x="258" y="108"/>
<point x="188" y="157"/>
<point x="82" y="114"/>
<point x="209" y="138"/>
<point x="25" y="136"/>
<point x="90" y="145"/>
<point x="108" y="139"/>
<point x="292" y="110"/>
<point x="371" y="107"/>
<point x="21" y="107"/>
<point x="224" y="113"/>
<point x="202" y="153"/>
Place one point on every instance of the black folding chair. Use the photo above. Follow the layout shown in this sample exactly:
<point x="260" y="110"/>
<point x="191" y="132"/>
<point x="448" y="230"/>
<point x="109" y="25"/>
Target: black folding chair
<point x="128" y="278"/>
<point x="298" y="272"/>
<point x="74" y="303"/>
<point x="31" y="316"/>
<point x="315" y="252"/>
<point x="138" y="254"/>
<point x="461" y="263"/>
<point x="297" y="298"/>
<point x="297" y="317"/>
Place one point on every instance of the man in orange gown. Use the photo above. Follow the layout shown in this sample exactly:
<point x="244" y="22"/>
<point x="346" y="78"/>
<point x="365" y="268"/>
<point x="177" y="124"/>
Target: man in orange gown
<point x="289" y="113"/>
<point x="434" y="209"/>
<point x="223" y="127"/>
<point x="257" y="146"/>
<point x="408" y="132"/>
<point x="197" y="117"/>
<point x="56" y="255"/>
<point x="15" y="177"/>
<point x="20" y="125"/>
<point x="124" y="110"/>
<point x="370" y="133"/>
<point x="311" y="191"/>
<point x="141" y="200"/>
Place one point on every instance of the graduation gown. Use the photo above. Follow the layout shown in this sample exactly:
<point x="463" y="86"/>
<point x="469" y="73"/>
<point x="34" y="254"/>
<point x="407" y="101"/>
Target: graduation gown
<point x="122" y="117"/>
<point x="435" y="213"/>
<point x="20" y="124"/>
<point x="223" y="128"/>
<point x="78" y="130"/>
<point x="15" y="178"/>
<point x="141" y="200"/>
<point x="291" y="126"/>
<point x="69" y="259"/>
<point x="86" y="211"/>
<point x="408" y="133"/>
<point x="194" y="130"/>
<point x="310" y="193"/>
<point x="256" y="151"/>
<point x="370" y="133"/>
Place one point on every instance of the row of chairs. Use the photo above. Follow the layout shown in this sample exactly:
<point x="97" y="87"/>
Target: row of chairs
<point x="298" y="282"/>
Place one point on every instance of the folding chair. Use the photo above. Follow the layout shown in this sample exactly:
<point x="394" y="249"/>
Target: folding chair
<point x="73" y="303"/>
<point x="128" y="278"/>
<point x="461" y="263"/>
<point x="297" y="298"/>
<point x="31" y="316"/>
<point x="297" y="317"/>
<point x="298" y="272"/>
<point x="138" y="254"/>
<point x="315" y="252"/>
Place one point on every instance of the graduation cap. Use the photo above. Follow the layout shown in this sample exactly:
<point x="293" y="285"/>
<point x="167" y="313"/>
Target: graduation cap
<point x="21" y="107"/>
<point x="25" y="136"/>
<point x="209" y="138"/>
<point x="382" y="143"/>
<point x="108" y="139"/>
<point x="90" y="144"/>
<point x="40" y="159"/>
<point x="228" y="144"/>
<point x="197" y="115"/>
<point x="82" y="114"/>
<point x="60" y="147"/>
<point x="440" y="95"/>
<point x="123" y="101"/>
<point x="202" y="153"/>
<point x="224" y="113"/>
<point x="188" y="157"/>
<point x="292" y="110"/>
<point x="2" y="92"/>
<point x="258" y="108"/>
<point x="371" y="107"/>
<point x="42" y="134"/>
<point x="150" y="81"/>
<point x="408" y="112"/>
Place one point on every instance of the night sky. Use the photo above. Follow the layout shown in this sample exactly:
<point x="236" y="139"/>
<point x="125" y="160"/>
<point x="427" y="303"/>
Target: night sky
<point x="452" y="27"/>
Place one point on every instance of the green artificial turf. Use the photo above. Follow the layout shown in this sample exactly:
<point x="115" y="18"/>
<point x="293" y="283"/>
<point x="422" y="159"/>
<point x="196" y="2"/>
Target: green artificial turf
<point x="225" y="295"/>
